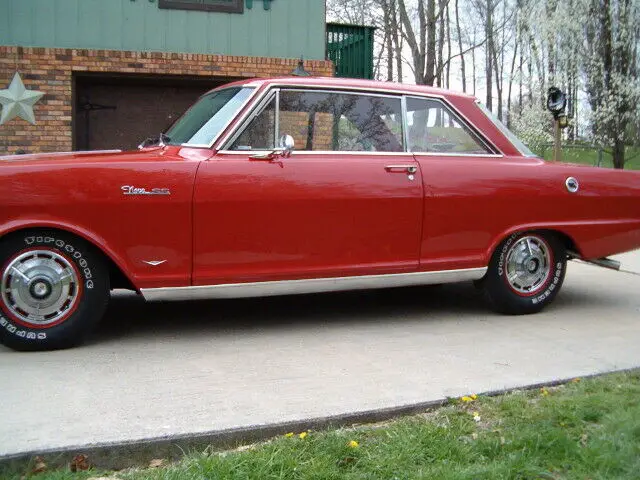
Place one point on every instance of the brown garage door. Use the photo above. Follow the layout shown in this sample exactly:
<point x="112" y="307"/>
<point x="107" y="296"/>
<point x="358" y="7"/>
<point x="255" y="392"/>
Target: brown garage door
<point x="115" y="111"/>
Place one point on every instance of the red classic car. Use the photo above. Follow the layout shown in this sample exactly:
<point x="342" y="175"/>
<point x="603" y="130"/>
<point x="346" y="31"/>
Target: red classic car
<point x="295" y="185"/>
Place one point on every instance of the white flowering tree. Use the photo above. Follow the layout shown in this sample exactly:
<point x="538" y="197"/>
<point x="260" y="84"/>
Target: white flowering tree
<point x="610" y="64"/>
<point x="534" y="126"/>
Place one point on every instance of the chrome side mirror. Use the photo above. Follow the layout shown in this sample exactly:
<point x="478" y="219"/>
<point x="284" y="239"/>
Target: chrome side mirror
<point x="283" y="150"/>
<point x="286" y="145"/>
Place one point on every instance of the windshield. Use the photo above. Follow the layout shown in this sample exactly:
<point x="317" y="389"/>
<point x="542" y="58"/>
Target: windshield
<point x="522" y="148"/>
<point x="206" y="119"/>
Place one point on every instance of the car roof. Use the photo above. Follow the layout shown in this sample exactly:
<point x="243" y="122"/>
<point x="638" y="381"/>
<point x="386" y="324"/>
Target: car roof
<point x="336" y="82"/>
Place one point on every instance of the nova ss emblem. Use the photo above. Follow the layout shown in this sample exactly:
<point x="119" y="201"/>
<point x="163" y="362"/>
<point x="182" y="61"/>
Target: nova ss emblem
<point x="131" y="190"/>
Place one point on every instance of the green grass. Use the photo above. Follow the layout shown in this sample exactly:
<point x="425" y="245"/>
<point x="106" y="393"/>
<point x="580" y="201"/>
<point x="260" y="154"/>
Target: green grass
<point x="588" y="429"/>
<point x="589" y="156"/>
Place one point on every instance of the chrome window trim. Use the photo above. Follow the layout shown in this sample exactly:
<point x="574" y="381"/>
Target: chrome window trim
<point x="338" y="90"/>
<point x="468" y="124"/>
<point x="320" y="152"/>
<point x="229" y="122"/>
<point x="445" y="154"/>
<point x="227" y="140"/>
<point x="312" y="285"/>
<point x="276" y="128"/>
<point x="232" y="135"/>
<point x="261" y="104"/>
<point x="405" y="124"/>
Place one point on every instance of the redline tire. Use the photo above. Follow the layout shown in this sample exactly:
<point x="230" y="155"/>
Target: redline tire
<point x="54" y="289"/>
<point x="526" y="273"/>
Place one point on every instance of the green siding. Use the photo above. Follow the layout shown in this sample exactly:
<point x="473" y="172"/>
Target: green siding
<point x="291" y="28"/>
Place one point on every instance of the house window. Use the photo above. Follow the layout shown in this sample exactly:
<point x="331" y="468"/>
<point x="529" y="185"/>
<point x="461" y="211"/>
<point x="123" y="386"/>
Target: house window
<point x="229" y="6"/>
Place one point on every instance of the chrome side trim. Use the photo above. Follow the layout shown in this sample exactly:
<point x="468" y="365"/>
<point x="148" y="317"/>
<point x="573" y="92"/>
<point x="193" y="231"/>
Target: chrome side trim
<point x="312" y="285"/>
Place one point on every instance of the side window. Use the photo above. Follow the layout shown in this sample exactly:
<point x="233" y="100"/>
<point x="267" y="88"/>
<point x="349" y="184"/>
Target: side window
<point x="325" y="121"/>
<point x="260" y="134"/>
<point x="432" y="127"/>
<point x="340" y="121"/>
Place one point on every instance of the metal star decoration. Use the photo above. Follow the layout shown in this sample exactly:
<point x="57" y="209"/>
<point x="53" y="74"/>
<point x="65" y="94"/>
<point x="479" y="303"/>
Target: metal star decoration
<point x="17" y="101"/>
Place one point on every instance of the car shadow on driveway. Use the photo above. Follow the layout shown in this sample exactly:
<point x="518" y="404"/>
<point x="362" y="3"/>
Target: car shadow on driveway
<point x="130" y="316"/>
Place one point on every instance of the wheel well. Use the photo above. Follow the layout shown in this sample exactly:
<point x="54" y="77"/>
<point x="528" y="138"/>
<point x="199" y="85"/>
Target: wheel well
<point x="117" y="278"/>
<point x="567" y="241"/>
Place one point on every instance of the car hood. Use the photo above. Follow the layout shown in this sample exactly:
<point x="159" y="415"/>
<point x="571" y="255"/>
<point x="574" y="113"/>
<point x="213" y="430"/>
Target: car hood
<point x="155" y="153"/>
<point x="57" y="156"/>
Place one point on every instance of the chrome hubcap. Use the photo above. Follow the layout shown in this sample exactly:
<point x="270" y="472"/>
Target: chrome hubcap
<point x="39" y="287"/>
<point x="528" y="265"/>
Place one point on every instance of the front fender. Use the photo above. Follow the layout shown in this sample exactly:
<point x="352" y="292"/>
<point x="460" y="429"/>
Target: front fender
<point x="94" y="239"/>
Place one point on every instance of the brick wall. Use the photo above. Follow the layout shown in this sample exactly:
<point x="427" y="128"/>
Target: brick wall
<point x="50" y="70"/>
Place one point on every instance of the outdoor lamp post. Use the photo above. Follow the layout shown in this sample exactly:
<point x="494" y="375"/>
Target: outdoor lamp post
<point x="556" y="104"/>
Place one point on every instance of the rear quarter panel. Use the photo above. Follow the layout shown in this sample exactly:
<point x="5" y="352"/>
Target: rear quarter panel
<point x="473" y="203"/>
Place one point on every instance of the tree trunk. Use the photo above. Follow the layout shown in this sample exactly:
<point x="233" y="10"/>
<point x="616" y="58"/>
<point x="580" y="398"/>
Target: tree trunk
<point x="395" y="35"/>
<point x="618" y="154"/>
<point x="431" y="43"/>
<point x="462" y="72"/>
<point x="488" y="30"/>
<point x="440" y="44"/>
<point x="448" y="70"/>
<point x="387" y="39"/>
<point x="473" y="64"/>
<point x="513" y="64"/>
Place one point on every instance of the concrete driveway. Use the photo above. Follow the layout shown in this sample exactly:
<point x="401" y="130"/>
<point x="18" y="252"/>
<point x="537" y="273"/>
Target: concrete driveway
<point x="170" y="369"/>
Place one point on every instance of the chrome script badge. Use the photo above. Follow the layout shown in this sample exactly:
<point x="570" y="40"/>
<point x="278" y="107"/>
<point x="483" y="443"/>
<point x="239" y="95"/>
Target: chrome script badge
<point x="131" y="190"/>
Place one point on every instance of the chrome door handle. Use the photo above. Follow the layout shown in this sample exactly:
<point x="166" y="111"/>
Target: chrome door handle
<point x="410" y="169"/>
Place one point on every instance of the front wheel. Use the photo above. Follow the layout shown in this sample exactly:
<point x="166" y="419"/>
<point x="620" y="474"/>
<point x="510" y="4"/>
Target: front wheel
<point x="54" y="289"/>
<point x="525" y="273"/>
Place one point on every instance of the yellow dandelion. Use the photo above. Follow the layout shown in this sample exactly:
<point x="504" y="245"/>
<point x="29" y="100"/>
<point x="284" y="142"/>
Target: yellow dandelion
<point x="288" y="435"/>
<point x="544" y="391"/>
<point x="466" y="399"/>
<point x="576" y="380"/>
<point x="302" y="435"/>
<point x="354" y="444"/>
<point x="474" y="396"/>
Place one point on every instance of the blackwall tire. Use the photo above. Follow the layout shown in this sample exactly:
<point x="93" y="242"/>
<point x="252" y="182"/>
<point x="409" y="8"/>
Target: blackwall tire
<point x="55" y="289"/>
<point x="526" y="273"/>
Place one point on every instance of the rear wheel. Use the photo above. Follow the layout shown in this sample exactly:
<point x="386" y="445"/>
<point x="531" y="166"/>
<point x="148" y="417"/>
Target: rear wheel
<point x="55" y="288"/>
<point x="525" y="273"/>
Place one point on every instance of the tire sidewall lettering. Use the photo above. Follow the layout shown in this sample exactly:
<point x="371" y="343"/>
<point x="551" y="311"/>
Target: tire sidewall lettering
<point x="66" y="247"/>
<point x="557" y="276"/>
<point x="73" y="254"/>
<point x="503" y="252"/>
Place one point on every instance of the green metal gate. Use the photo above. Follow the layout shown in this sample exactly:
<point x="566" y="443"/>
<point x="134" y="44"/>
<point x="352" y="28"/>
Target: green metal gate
<point x="350" y="47"/>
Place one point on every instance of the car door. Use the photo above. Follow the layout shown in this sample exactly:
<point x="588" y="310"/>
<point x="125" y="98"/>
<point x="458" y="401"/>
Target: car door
<point x="459" y="168"/>
<point x="347" y="201"/>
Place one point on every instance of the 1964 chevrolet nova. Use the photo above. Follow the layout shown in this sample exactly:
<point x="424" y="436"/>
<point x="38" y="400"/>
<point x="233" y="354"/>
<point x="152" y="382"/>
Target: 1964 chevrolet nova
<point x="293" y="185"/>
